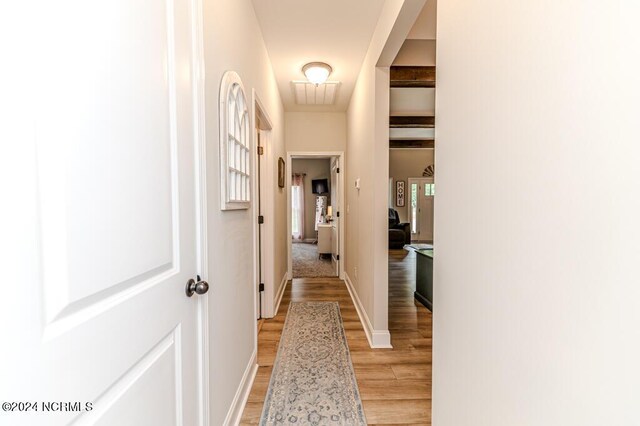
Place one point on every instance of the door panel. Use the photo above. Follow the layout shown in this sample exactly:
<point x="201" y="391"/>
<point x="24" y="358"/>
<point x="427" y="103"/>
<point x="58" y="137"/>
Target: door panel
<point x="259" y="190"/>
<point x="155" y="374"/>
<point x="335" y="206"/>
<point x="414" y="208"/>
<point x="118" y="112"/>
<point x="109" y="322"/>
<point x="126" y="201"/>
<point x="422" y="191"/>
<point x="426" y="218"/>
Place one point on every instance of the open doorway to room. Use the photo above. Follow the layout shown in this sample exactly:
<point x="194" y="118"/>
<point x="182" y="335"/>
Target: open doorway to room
<point x="411" y="212"/>
<point x="412" y="145"/>
<point x="315" y="196"/>
<point x="264" y="288"/>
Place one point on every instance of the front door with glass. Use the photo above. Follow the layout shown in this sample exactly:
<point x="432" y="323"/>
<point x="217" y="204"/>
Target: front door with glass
<point x="422" y="192"/>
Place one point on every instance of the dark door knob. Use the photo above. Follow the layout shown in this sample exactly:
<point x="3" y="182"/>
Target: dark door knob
<point x="199" y="286"/>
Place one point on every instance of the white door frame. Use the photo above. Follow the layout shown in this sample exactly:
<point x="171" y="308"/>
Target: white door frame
<point x="341" y="164"/>
<point x="202" y="242"/>
<point x="267" y="207"/>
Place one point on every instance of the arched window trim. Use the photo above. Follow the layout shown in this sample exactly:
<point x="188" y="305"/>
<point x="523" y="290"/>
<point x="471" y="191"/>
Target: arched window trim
<point x="235" y="144"/>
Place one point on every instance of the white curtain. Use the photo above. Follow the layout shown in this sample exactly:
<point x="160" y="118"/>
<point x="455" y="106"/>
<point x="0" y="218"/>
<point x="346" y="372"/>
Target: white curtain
<point x="297" y="207"/>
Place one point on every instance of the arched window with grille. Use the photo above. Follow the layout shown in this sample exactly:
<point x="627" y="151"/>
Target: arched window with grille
<point x="235" y="141"/>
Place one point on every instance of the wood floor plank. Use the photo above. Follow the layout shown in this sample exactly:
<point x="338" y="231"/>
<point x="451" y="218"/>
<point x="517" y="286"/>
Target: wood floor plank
<point x="398" y="411"/>
<point x="393" y="389"/>
<point x="394" y="384"/>
<point x="251" y="413"/>
<point x="390" y="356"/>
<point x="401" y="424"/>
<point x="261" y="384"/>
<point x="374" y="372"/>
<point x="410" y="371"/>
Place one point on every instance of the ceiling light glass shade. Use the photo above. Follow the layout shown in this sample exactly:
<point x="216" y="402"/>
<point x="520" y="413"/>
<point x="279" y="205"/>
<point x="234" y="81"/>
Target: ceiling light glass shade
<point x="317" y="72"/>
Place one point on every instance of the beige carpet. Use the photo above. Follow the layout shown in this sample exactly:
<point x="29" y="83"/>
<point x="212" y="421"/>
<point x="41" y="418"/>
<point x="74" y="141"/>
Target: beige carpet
<point x="306" y="263"/>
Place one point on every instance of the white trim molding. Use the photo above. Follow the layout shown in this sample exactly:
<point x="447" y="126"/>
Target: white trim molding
<point x="280" y="293"/>
<point x="242" y="394"/>
<point x="378" y="339"/>
<point x="263" y="125"/>
<point x="199" y="126"/>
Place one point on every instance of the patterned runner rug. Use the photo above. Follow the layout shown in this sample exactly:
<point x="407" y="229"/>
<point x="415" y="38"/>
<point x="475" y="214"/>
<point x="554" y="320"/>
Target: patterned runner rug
<point x="313" y="382"/>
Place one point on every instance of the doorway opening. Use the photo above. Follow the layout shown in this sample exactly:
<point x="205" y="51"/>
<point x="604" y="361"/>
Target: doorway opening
<point x="263" y="203"/>
<point x="411" y="191"/>
<point x="315" y="197"/>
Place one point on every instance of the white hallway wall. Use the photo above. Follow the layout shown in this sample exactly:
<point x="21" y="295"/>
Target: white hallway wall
<point x="536" y="285"/>
<point x="316" y="131"/>
<point x="368" y="160"/>
<point x="233" y="41"/>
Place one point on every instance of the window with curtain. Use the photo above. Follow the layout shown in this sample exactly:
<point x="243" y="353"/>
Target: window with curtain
<point x="297" y="207"/>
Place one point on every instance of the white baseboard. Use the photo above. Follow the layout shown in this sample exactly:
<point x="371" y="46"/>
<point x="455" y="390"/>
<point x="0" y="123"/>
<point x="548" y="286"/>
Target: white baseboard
<point x="280" y="293"/>
<point x="378" y="339"/>
<point x="381" y="339"/>
<point x="242" y="394"/>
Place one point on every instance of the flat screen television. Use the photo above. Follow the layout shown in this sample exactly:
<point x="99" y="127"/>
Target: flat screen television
<point x="320" y="186"/>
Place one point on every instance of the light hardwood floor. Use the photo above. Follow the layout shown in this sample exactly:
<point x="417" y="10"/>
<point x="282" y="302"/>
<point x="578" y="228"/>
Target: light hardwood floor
<point x="395" y="384"/>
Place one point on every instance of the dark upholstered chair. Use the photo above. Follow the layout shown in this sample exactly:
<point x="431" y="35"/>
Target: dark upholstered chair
<point x="399" y="233"/>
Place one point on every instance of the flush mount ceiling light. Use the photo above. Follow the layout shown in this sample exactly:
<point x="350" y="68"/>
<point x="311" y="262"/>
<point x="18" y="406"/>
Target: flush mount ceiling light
<point x="317" y="72"/>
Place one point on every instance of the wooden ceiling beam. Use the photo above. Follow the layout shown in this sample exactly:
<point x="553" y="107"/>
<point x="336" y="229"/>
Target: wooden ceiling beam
<point x="413" y="76"/>
<point x="412" y="144"/>
<point x="411" y="121"/>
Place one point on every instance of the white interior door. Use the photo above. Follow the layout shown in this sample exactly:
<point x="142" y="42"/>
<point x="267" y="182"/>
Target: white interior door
<point x="335" y="207"/>
<point x="426" y="212"/>
<point x="422" y="192"/>
<point x="105" y="237"/>
<point x="261" y="244"/>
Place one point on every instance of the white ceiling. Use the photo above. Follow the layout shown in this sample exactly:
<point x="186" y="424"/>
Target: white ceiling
<point x="337" y="32"/>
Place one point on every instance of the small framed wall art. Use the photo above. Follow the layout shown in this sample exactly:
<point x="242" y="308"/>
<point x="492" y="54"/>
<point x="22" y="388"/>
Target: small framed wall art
<point x="280" y="172"/>
<point x="400" y="193"/>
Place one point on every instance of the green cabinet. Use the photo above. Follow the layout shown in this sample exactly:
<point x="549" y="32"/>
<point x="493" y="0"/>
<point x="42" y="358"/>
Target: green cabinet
<point x="424" y="278"/>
